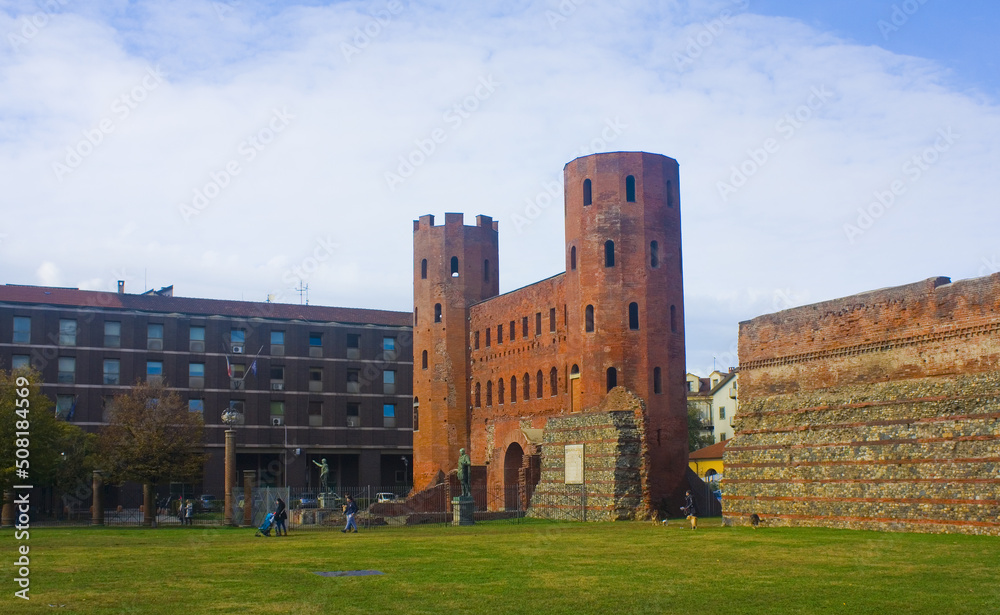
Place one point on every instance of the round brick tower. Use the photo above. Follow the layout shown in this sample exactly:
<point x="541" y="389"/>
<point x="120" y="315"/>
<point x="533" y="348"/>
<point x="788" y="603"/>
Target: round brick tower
<point x="625" y="298"/>
<point x="454" y="266"/>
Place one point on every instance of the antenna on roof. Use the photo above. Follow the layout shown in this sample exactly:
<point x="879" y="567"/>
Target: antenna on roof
<point x="303" y="289"/>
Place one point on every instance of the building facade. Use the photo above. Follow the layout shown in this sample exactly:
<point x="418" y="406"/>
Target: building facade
<point x="311" y="382"/>
<point x="715" y="399"/>
<point x="492" y="371"/>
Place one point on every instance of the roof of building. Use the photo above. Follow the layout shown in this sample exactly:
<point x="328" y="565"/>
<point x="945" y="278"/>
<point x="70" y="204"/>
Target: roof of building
<point x="74" y="297"/>
<point x="713" y="451"/>
<point x="705" y="387"/>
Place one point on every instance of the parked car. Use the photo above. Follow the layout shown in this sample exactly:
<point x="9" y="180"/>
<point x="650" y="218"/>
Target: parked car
<point x="308" y="500"/>
<point x="207" y="503"/>
<point x="387" y="497"/>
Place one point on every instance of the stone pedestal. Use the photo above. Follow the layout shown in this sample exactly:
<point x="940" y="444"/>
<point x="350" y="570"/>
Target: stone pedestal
<point x="230" y="478"/>
<point x="462" y="508"/>
<point x="97" y="515"/>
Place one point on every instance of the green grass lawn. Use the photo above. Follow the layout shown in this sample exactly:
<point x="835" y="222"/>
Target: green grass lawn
<point x="533" y="567"/>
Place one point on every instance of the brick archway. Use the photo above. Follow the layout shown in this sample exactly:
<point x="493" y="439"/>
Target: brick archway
<point x="513" y="460"/>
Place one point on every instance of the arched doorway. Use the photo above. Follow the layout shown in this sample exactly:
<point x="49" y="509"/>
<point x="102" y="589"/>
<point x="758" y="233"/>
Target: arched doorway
<point x="512" y="462"/>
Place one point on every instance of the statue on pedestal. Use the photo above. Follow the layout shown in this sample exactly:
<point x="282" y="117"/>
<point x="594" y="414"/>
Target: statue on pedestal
<point x="324" y="473"/>
<point x="465" y="472"/>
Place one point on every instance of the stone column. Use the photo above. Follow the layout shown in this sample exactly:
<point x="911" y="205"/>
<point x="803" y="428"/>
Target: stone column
<point x="148" y="507"/>
<point x="230" y="479"/>
<point x="7" y="517"/>
<point x="97" y="514"/>
<point x="248" y="479"/>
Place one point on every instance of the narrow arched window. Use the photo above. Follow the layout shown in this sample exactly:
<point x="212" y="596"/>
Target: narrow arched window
<point x="416" y="414"/>
<point x="489" y="392"/>
<point x="587" y="196"/>
<point x="612" y="378"/>
<point x="423" y="269"/>
<point x="589" y="319"/>
<point x="416" y="321"/>
<point x="609" y="253"/>
<point x="538" y="385"/>
<point x="673" y="319"/>
<point x="423" y="361"/>
<point x="437" y="312"/>
<point x="654" y="254"/>
<point x="500" y="389"/>
<point x="553" y="382"/>
<point x="670" y="194"/>
<point x="572" y="258"/>
<point x="657" y="382"/>
<point x="486" y="270"/>
<point x="479" y="399"/>
<point x="630" y="189"/>
<point x="454" y="266"/>
<point x="513" y="389"/>
<point x="633" y="316"/>
<point x="527" y="387"/>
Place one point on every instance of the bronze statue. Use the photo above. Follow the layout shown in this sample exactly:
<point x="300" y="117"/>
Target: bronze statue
<point x="324" y="472"/>
<point x="465" y="472"/>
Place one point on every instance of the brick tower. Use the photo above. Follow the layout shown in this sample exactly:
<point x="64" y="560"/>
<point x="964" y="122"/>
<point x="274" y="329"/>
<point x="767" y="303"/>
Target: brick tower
<point x="625" y="297"/>
<point x="454" y="266"/>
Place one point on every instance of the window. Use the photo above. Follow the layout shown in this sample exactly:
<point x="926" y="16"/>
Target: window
<point x="437" y="312"/>
<point x="65" y="407"/>
<point x="154" y="372"/>
<point x="423" y="360"/>
<point x="475" y="337"/>
<point x="67" y="370"/>
<point x="416" y="319"/>
<point x="423" y="269"/>
<point x="277" y="343"/>
<point x="552" y="320"/>
<point x="22" y="329"/>
<point x="112" y="371"/>
<point x="722" y="412"/>
<point x="316" y="340"/>
<point x="196" y="405"/>
<point x="553" y="382"/>
<point x="67" y="332"/>
<point x="609" y="253"/>
<point x="389" y="382"/>
<point x="526" y="379"/>
<point x="500" y="392"/>
<point x="589" y="319"/>
<point x="673" y="319"/>
<point x="612" y="378"/>
<point x="316" y="380"/>
<point x="388" y="415"/>
<point x="488" y="333"/>
<point x="238" y="336"/>
<point x="277" y="378"/>
<point x="524" y="327"/>
<point x="513" y="389"/>
<point x="654" y="254"/>
<point x="486" y="270"/>
<point x="353" y="346"/>
<point x="587" y="193"/>
<point x="479" y="399"/>
<point x="20" y="361"/>
<point x="238" y="406"/>
<point x="454" y="266"/>
<point x="513" y="327"/>
<point x="722" y="437"/>
<point x="197" y="339"/>
<point x="630" y="189"/>
<point x="416" y="414"/>
<point x="489" y="393"/>
<point x="657" y="381"/>
<point x="388" y="345"/>
<point x="107" y="407"/>
<point x="315" y="414"/>
<point x="499" y="334"/>
<point x="196" y="375"/>
<point x="633" y="316"/>
<point x="277" y="413"/>
<point x="154" y="336"/>
<point x="538" y="385"/>
<point x="538" y="323"/>
<point x="353" y="381"/>
<point x="237" y="372"/>
<point x="354" y="415"/>
<point x="112" y="334"/>
<point x="572" y="258"/>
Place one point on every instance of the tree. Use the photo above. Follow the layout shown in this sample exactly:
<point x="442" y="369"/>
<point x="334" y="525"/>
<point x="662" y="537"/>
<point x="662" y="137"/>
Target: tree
<point x="695" y="438"/>
<point x="151" y="437"/>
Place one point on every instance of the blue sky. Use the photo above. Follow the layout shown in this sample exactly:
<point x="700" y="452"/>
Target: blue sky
<point x="235" y="149"/>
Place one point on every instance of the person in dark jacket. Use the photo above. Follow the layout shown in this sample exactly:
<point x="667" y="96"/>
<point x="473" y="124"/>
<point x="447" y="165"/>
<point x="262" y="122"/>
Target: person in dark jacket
<point x="280" y="514"/>
<point x="350" y="509"/>
<point x="690" y="510"/>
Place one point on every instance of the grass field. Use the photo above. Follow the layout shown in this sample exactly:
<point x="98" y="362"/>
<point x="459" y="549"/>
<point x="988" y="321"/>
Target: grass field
<point x="533" y="567"/>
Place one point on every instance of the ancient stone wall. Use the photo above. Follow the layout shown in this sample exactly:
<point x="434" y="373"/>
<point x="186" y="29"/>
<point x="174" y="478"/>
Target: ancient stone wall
<point x="876" y="411"/>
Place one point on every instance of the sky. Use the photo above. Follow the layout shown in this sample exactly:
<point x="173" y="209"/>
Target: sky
<point x="241" y="149"/>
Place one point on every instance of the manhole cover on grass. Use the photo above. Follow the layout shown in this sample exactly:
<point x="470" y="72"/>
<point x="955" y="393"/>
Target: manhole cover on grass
<point x="349" y="573"/>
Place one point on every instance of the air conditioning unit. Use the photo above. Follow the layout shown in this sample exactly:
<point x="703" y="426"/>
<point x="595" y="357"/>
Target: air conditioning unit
<point x="277" y="386"/>
<point x="154" y="344"/>
<point x="237" y="349"/>
<point x="277" y="421"/>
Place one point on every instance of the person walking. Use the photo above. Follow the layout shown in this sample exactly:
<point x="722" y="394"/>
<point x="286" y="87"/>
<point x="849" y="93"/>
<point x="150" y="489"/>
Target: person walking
<point x="350" y="510"/>
<point x="690" y="510"/>
<point x="280" y="514"/>
<point x="189" y="512"/>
